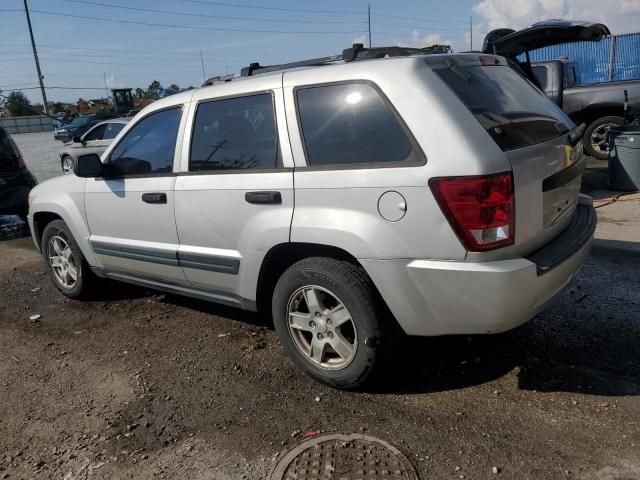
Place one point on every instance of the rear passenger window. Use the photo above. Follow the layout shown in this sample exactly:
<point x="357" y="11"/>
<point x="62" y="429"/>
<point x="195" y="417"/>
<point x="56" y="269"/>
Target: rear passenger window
<point x="350" y="124"/>
<point x="150" y="145"/>
<point x="236" y="133"/>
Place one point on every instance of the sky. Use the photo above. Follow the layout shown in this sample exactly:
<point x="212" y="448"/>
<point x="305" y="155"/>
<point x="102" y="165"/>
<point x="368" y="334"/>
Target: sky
<point x="88" y="46"/>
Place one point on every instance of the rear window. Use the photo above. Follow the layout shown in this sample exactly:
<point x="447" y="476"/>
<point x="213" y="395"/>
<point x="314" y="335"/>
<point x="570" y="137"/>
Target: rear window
<point x="514" y="112"/>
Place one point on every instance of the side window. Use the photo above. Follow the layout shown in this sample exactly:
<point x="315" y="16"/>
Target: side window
<point x="236" y="133"/>
<point x="541" y="74"/>
<point x="350" y="124"/>
<point x="150" y="145"/>
<point x="95" y="134"/>
<point x="112" y="130"/>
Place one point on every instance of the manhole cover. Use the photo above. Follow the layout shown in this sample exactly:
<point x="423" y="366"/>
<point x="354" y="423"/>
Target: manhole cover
<point x="344" y="457"/>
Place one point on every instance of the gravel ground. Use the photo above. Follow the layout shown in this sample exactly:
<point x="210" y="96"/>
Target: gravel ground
<point x="40" y="152"/>
<point x="137" y="384"/>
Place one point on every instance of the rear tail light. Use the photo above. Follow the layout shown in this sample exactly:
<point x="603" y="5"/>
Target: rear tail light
<point x="21" y="163"/>
<point x="480" y="209"/>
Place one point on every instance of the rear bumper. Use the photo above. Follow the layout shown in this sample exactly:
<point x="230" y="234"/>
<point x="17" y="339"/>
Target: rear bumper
<point x="430" y="297"/>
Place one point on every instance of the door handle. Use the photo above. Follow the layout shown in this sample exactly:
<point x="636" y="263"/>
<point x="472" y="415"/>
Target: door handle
<point x="154" y="197"/>
<point x="263" y="198"/>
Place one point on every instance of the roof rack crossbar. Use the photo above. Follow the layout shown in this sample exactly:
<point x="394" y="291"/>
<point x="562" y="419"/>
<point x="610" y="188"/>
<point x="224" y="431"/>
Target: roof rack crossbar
<point x="356" y="52"/>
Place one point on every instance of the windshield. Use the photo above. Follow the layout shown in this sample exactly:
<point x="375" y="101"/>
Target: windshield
<point x="514" y="112"/>
<point x="79" y="121"/>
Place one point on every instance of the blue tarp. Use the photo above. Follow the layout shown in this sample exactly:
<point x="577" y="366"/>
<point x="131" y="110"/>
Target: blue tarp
<point x="593" y="57"/>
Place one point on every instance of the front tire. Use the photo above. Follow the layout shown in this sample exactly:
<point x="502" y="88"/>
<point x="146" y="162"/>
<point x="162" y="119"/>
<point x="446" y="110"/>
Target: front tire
<point x="596" y="136"/>
<point x="332" y="322"/>
<point x="67" y="163"/>
<point x="67" y="267"/>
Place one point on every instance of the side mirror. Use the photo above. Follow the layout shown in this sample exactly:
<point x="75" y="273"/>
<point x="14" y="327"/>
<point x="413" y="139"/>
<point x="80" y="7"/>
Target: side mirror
<point x="89" y="166"/>
<point x="77" y="139"/>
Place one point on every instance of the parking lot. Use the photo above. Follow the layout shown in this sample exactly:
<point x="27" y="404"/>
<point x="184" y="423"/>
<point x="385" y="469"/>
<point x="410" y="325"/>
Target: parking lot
<point x="137" y="384"/>
<point x="41" y="152"/>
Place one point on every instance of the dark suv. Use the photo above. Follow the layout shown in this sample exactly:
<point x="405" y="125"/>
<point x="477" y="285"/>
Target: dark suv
<point x="80" y="125"/>
<point x="16" y="181"/>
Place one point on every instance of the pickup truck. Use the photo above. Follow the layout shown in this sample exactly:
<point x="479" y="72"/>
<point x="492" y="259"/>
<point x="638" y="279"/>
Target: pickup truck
<point x="598" y="106"/>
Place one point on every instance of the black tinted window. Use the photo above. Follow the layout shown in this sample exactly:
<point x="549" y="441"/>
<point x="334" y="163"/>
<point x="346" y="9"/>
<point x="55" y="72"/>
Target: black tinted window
<point x="236" y="133"/>
<point x="8" y="149"/>
<point x="350" y="124"/>
<point x="150" y="145"/>
<point x="112" y="130"/>
<point x="96" y="134"/>
<point x="541" y="75"/>
<point x="511" y="109"/>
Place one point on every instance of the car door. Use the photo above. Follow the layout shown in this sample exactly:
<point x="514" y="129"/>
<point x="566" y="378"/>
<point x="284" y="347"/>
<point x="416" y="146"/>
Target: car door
<point x="131" y="213"/>
<point x="93" y="141"/>
<point x="234" y="197"/>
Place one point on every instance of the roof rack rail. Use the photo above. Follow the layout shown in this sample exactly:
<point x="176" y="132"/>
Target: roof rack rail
<point x="356" y="52"/>
<point x="218" y="79"/>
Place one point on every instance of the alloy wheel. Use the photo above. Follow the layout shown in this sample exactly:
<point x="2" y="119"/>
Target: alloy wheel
<point x="62" y="262"/>
<point x="600" y="138"/>
<point x="67" y="165"/>
<point x="322" y="327"/>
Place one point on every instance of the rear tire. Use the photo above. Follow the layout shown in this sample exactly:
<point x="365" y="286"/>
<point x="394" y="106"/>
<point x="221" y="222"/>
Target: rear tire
<point x="319" y="303"/>
<point x="67" y="267"/>
<point x="595" y="137"/>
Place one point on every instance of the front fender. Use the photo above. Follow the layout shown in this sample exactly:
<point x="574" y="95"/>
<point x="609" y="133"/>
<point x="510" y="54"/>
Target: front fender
<point x="64" y="197"/>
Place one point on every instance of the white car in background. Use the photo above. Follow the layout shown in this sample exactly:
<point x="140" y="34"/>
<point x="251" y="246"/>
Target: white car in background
<point x="96" y="140"/>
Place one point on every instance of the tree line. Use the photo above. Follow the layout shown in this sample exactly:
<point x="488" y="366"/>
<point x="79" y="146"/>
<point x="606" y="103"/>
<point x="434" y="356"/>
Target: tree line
<point x="17" y="104"/>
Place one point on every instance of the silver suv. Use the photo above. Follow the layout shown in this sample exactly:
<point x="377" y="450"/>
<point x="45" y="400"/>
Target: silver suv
<point x="354" y="200"/>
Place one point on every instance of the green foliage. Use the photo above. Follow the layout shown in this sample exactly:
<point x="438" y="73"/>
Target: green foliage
<point x="18" y="105"/>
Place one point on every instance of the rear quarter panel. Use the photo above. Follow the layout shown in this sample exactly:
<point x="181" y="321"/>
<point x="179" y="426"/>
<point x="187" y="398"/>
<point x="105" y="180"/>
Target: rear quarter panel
<point x="339" y="206"/>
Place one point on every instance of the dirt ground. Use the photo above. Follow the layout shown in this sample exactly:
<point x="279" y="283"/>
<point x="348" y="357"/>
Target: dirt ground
<point x="145" y="385"/>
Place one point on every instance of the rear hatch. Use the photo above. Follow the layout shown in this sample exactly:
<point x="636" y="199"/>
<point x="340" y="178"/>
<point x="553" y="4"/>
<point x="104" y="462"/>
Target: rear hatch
<point x="532" y="132"/>
<point x="509" y="43"/>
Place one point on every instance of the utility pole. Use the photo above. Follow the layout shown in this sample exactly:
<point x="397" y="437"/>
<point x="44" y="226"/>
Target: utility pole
<point x="204" y="76"/>
<point x="369" y="17"/>
<point x="106" y="87"/>
<point x="470" y="33"/>
<point x="35" y="56"/>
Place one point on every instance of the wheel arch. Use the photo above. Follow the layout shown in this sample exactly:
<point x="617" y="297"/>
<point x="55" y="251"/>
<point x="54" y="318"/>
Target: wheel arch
<point x="282" y="256"/>
<point x="44" y="213"/>
<point x="40" y="222"/>
<point x="593" y="113"/>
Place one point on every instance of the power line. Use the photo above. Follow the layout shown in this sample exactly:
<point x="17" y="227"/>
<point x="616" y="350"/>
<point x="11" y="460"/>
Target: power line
<point x="204" y="15"/>
<point x="62" y="88"/>
<point x="159" y="52"/>
<point x="281" y="9"/>
<point x="16" y="85"/>
<point x="401" y="35"/>
<point x="456" y="29"/>
<point x="55" y="56"/>
<point x="189" y="27"/>
<point x="430" y="20"/>
<point x="84" y="62"/>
